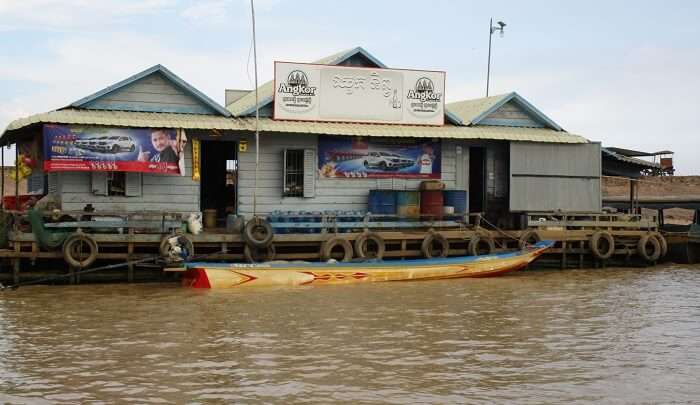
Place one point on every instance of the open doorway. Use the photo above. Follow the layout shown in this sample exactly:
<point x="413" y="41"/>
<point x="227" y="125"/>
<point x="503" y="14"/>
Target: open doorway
<point x="477" y="179"/>
<point x="219" y="178"/>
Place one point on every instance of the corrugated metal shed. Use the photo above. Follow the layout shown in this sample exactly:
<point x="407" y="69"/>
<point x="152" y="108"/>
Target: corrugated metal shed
<point x="198" y="121"/>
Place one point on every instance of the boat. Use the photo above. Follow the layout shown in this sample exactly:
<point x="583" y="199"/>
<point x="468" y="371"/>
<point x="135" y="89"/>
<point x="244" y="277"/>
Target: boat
<point x="276" y="273"/>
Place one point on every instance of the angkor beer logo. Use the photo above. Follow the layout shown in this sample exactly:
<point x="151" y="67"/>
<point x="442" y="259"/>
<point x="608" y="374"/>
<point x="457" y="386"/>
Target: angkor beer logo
<point x="297" y="85"/>
<point x="424" y="90"/>
<point x="296" y="95"/>
<point x="423" y="100"/>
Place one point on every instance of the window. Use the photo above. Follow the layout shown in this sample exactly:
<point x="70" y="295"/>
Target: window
<point x="116" y="183"/>
<point x="124" y="184"/>
<point x="293" y="173"/>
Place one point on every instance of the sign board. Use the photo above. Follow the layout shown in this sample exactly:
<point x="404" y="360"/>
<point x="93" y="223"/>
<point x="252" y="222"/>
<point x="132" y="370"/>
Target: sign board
<point x="308" y="92"/>
<point x="357" y="157"/>
<point x="148" y="150"/>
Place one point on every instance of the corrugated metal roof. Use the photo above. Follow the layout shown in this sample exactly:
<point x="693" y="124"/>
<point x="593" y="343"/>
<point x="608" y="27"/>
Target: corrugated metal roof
<point x="640" y="162"/>
<point x="445" y="131"/>
<point x="198" y="121"/>
<point x="129" y="118"/>
<point x="468" y="110"/>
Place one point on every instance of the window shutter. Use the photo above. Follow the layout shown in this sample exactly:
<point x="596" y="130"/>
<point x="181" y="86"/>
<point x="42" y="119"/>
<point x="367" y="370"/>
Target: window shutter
<point x="53" y="183"/>
<point x="309" y="173"/>
<point x="134" y="186"/>
<point x="99" y="183"/>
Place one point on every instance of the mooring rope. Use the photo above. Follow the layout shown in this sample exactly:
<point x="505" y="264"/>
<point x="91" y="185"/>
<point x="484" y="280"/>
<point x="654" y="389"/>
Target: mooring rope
<point x="502" y="232"/>
<point x="107" y="267"/>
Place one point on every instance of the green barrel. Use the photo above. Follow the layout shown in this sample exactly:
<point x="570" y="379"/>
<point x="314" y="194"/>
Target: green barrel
<point x="408" y="203"/>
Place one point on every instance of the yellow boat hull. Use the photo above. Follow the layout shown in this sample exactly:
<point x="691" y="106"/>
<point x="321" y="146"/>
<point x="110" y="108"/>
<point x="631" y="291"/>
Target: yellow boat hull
<point x="216" y="275"/>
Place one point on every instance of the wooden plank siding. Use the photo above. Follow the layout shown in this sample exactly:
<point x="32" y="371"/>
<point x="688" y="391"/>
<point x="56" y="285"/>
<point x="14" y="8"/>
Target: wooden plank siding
<point x="159" y="192"/>
<point x="182" y="194"/>
<point x="330" y="194"/>
<point x="151" y="93"/>
<point x="512" y="115"/>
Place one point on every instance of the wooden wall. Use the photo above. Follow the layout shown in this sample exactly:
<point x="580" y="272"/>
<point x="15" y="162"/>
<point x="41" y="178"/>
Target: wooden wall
<point x="512" y="115"/>
<point x="330" y="194"/>
<point x="159" y="192"/>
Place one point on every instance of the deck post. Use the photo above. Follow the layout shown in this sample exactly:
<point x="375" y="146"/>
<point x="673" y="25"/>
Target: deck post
<point x="563" y="254"/>
<point x="129" y="253"/>
<point x="17" y="205"/>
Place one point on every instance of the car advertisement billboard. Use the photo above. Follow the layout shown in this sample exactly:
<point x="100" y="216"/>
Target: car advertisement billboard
<point x="358" y="157"/>
<point x="80" y="148"/>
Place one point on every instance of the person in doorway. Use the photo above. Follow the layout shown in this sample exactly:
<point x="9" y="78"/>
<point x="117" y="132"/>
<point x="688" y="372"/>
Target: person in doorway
<point x="164" y="149"/>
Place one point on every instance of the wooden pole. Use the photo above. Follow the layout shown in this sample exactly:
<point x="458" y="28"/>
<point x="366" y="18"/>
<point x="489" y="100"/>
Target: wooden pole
<point x="16" y="176"/>
<point x="2" y="174"/>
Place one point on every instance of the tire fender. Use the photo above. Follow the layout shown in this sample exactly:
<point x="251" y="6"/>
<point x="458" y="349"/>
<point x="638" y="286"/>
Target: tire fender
<point x="361" y="245"/>
<point x="255" y="255"/>
<point x="166" y="247"/>
<point x="478" y="242"/>
<point x="597" y="250"/>
<point x="258" y="233"/>
<point x="428" y="243"/>
<point x="643" y="245"/>
<point x="79" y="241"/>
<point x="330" y="244"/>
<point x="528" y="238"/>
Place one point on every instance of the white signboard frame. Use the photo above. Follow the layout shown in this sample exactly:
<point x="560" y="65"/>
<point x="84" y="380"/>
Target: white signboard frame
<point x="313" y="92"/>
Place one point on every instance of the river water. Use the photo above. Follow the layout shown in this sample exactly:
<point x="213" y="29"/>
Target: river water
<point x="577" y="336"/>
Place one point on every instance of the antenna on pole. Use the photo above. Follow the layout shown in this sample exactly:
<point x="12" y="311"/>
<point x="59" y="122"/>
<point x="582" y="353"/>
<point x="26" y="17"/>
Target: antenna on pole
<point x="492" y="29"/>
<point x="257" y="113"/>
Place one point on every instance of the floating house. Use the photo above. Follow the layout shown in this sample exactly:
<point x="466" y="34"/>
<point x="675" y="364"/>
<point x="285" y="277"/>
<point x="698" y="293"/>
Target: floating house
<point x="152" y="142"/>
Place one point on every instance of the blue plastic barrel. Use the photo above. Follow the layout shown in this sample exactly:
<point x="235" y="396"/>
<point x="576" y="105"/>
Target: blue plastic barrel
<point x="456" y="199"/>
<point x="382" y="202"/>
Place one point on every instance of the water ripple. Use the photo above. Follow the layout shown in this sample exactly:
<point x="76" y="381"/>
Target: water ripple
<point x="614" y="335"/>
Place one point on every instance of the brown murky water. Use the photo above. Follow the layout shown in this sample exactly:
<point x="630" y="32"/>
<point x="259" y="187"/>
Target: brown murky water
<point x="623" y="336"/>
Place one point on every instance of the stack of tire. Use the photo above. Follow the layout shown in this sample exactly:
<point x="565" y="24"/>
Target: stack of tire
<point x="651" y="247"/>
<point x="257" y="235"/>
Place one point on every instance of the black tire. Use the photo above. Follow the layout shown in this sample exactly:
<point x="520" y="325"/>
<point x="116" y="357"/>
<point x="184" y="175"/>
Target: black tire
<point x="115" y="148"/>
<point x="362" y="246"/>
<point x="478" y="246"/>
<point x="75" y="248"/>
<point x="528" y="238"/>
<point x="132" y="148"/>
<point x="365" y="164"/>
<point x="329" y="245"/>
<point x="428" y="245"/>
<point x="258" y="233"/>
<point x="649" y="248"/>
<point x="165" y="246"/>
<point x="663" y="243"/>
<point x="602" y="245"/>
<point x="255" y="255"/>
<point x="382" y="165"/>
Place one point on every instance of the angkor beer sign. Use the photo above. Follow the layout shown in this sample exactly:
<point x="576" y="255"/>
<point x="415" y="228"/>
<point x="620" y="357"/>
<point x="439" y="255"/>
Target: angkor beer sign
<point x="308" y="92"/>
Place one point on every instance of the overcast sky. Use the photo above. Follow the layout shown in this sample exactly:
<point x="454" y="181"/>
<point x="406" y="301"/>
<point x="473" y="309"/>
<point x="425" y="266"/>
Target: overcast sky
<point x="624" y="73"/>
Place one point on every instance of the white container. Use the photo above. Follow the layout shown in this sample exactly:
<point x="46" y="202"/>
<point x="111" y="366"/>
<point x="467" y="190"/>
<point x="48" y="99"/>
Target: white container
<point x="448" y="210"/>
<point x="194" y="223"/>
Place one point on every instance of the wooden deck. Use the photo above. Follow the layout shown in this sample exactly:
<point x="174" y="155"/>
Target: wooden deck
<point x="571" y="232"/>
